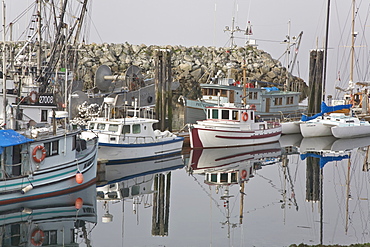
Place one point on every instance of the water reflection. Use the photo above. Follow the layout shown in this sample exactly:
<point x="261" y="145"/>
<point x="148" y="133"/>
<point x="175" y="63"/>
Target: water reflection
<point x="225" y="167"/>
<point x="57" y="221"/>
<point x="145" y="183"/>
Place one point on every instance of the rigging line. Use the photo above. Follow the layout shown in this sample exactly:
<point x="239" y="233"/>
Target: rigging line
<point x="209" y="194"/>
<point x="93" y="24"/>
<point x="16" y="19"/>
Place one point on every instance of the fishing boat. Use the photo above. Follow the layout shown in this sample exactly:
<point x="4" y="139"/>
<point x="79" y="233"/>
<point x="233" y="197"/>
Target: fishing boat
<point x="42" y="154"/>
<point x="228" y="126"/>
<point x="269" y="98"/>
<point x="131" y="139"/>
<point x="65" y="220"/>
<point x="41" y="163"/>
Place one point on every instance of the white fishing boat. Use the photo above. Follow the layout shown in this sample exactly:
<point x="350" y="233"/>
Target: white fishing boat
<point x="228" y="126"/>
<point x="271" y="99"/>
<point x="53" y="221"/>
<point x="132" y="139"/>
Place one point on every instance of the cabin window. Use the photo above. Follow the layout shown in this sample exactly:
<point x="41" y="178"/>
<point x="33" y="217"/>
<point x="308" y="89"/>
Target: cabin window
<point x="15" y="235"/>
<point x="44" y="115"/>
<point x="214" y="113"/>
<point x="125" y="192"/>
<point x="91" y="126"/>
<point x="213" y="178"/>
<point x="126" y="129"/>
<point x="52" y="148"/>
<point x="289" y="100"/>
<point x="250" y="95"/>
<point x="252" y="115"/>
<point x="255" y="95"/>
<point x="50" y="237"/>
<point x="113" y="127"/>
<point x="225" y="114"/>
<point x="235" y="115"/>
<point x="136" y="128"/>
<point x="224" y="93"/>
<point x="101" y="126"/>
<point x="233" y="178"/>
<point x="278" y="101"/>
<point x="135" y="190"/>
<point x="74" y="143"/>
<point x="224" y="177"/>
<point x="17" y="161"/>
<point x="19" y="114"/>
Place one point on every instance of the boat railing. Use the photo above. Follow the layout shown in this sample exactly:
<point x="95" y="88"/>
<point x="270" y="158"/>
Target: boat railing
<point x="273" y="124"/>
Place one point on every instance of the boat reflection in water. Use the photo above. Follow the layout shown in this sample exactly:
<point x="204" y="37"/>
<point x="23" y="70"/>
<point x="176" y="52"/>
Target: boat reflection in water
<point x="346" y="177"/>
<point x="65" y="220"/>
<point x="226" y="167"/>
<point x="146" y="183"/>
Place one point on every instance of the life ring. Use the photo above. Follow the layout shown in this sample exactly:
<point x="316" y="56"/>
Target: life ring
<point x="41" y="240"/>
<point x="245" y="116"/>
<point x="33" y="97"/>
<point x="244" y="174"/>
<point x="43" y="153"/>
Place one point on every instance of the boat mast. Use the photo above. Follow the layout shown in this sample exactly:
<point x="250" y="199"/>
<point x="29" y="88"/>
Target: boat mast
<point x="39" y="38"/>
<point x="352" y="47"/>
<point x="4" y="70"/>
<point x="325" y="52"/>
<point x="286" y="86"/>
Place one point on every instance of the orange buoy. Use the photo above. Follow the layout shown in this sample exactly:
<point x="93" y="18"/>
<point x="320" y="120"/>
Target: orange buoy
<point x="244" y="174"/>
<point x="37" y="237"/>
<point x="245" y="116"/>
<point x="33" y="97"/>
<point x="79" y="203"/>
<point x="79" y="178"/>
<point x="43" y="153"/>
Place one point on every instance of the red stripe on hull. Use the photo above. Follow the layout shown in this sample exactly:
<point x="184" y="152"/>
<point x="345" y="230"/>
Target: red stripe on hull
<point x="195" y="141"/>
<point x="250" y="137"/>
<point x="51" y="194"/>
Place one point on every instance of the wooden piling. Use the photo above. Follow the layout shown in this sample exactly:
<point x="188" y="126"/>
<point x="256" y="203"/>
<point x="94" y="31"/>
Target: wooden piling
<point x="163" y="79"/>
<point x="315" y="81"/>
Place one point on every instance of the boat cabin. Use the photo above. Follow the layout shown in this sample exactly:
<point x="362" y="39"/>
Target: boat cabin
<point x="137" y="130"/>
<point x="232" y="114"/>
<point x="229" y="177"/>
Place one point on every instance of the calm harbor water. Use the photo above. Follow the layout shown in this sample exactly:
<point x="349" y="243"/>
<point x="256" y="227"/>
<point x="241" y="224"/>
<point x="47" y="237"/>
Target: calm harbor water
<point x="297" y="190"/>
<point x="287" y="199"/>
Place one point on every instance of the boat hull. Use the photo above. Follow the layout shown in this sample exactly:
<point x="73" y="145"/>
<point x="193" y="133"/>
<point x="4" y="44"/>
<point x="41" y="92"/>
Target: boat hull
<point x="315" y="129"/>
<point x="351" y="131"/>
<point x="50" y="182"/>
<point x="290" y="127"/>
<point x="210" y="137"/>
<point x="127" y="153"/>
